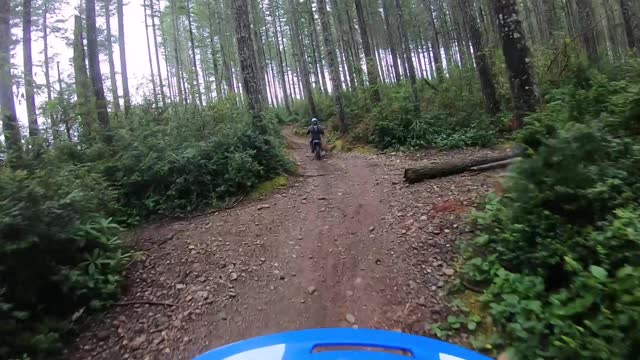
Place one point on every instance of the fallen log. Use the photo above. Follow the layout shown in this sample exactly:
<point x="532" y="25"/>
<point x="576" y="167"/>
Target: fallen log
<point x="414" y="175"/>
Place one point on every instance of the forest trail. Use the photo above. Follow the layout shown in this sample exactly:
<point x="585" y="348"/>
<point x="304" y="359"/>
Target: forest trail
<point x="345" y="244"/>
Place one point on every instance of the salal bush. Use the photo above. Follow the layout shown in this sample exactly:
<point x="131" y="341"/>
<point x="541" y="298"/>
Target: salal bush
<point x="62" y="211"/>
<point x="560" y="250"/>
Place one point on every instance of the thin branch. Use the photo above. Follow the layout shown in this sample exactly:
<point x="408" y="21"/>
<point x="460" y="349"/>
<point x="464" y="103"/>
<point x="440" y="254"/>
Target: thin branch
<point x="145" y="302"/>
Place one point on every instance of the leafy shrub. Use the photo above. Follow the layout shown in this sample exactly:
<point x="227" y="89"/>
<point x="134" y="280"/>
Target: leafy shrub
<point x="61" y="213"/>
<point x="560" y="251"/>
<point x="59" y="251"/>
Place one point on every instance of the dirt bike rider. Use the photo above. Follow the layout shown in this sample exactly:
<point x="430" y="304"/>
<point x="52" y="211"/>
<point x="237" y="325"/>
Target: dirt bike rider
<point x="316" y="131"/>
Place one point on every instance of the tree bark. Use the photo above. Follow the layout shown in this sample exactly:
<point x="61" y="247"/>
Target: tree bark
<point x="281" y="77"/>
<point x="588" y="34"/>
<point x="112" y="67"/>
<point x="123" y="58"/>
<point x="517" y="59"/>
<point x="372" y="72"/>
<point x="301" y="58"/>
<point x="10" y="127"/>
<point x="414" y="175"/>
<point x="214" y="57"/>
<point x="435" y="45"/>
<point x="391" y="40"/>
<point x="153" y="76"/>
<point x="488" y="88"/>
<point x="84" y="97"/>
<point x="94" y="70"/>
<point x="193" y="54"/>
<point x="30" y="97"/>
<point x="248" y="67"/>
<point x="63" y="116"/>
<point x="406" y="49"/>
<point x="176" y="52"/>
<point x="332" y="59"/>
<point x="631" y="23"/>
<point x="163" y="97"/>
<point x="45" y="41"/>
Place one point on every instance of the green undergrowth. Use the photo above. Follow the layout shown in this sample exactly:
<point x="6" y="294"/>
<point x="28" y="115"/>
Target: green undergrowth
<point x="269" y="186"/>
<point x="558" y="254"/>
<point x="62" y="213"/>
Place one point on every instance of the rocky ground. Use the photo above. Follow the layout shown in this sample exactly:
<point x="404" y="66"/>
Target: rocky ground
<point x="347" y="243"/>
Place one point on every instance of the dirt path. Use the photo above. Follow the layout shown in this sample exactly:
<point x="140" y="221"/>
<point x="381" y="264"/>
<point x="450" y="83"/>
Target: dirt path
<point x="345" y="244"/>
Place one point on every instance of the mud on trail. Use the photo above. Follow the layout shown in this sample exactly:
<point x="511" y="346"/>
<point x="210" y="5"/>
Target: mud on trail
<point x="347" y="244"/>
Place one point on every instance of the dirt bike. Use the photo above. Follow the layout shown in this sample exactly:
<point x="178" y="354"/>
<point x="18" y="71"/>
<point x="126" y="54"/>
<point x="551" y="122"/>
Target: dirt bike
<point x="317" y="149"/>
<point x="344" y="344"/>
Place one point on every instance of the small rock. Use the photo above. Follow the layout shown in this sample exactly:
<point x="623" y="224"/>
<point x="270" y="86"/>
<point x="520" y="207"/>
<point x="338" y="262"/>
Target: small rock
<point x="138" y="342"/>
<point x="322" y="197"/>
<point x="233" y="276"/>
<point x="282" y="277"/>
<point x="350" y="318"/>
<point x="372" y="228"/>
<point x="180" y="286"/>
<point x="378" y="261"/>
<point x="222" y="315"/>
<point x="413" y="285"/>
<point x="311" y="290"/>
<point x="201" y="295"/>
<point x="440" y="284"/>
<point x="423" y="218"/>
<point x="449" y="272"/>
<point x="263" y="206"/>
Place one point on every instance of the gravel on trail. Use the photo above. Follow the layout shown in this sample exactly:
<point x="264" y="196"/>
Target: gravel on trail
<point x="346" y="244"/>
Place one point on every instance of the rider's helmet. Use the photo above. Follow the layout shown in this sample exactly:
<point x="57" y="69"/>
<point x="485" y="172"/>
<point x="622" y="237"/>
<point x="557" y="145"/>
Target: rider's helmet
<point x="314" y="121"/>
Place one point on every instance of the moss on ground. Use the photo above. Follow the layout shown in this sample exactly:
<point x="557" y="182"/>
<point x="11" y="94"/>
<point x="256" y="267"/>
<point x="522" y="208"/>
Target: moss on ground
<point x="269" y="186"/>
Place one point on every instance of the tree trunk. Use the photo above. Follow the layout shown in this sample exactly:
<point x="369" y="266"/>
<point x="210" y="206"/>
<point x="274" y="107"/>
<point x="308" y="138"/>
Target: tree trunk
<point x="166" y="63"/>
<point x="112" y="66"/>
<point x="372" y="72"/>
<point x="94" y="70"/>
<point x="10" y="127"/>
<point x="176" y="52"/>
<point x="332" y="59"/>
<point x="259" y="50"/>
<point x="193" y="54"/>
<point x="63" y="116"/>
<point x="301" y="58"/>
<point x="45" y="41"/>
<point x="517" y="59"/>
<point x="316" y="51"/>
<point x="435" y="45"/>
<point x="281" y="77"/>
<point x="153" y="76"/>
<point x="84" y="97"/>
<point x="123" y="58"/>
<point x="631" y="23"/>
<point x="246" y="52"/>
<point x="30" y="97"/>
<point x="391" y="40"/>
<point x="155" y="46"/>
<point x="588" y="28"/>
<point x="491" y="103"/>
<point x="226" y="66"/>
<point x="214" y="57"/>
<point x="414" y="175"/>
<point x="406" y="49"/>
